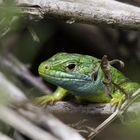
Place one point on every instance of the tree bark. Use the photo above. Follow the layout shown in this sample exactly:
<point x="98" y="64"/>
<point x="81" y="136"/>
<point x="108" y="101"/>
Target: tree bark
<point x="100" y="12"/>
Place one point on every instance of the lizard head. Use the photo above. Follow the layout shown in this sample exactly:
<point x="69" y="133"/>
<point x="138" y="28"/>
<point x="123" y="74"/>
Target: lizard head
<point x="70" y="71"/>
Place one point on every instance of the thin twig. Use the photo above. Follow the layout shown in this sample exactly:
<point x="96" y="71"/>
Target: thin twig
<point x="128" y="102"/>
<point x="104" y="124"/>
<point x="119" y="111"/>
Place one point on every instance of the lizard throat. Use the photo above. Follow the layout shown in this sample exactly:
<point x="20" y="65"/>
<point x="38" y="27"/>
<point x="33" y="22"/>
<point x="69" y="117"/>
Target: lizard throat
<point x="58" y="75"/>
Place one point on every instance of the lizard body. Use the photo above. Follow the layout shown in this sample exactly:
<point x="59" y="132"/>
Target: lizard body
<point x="83" y="76"/>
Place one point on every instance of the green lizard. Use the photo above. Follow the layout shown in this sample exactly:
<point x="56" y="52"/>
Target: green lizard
<point x="84" y="76"/>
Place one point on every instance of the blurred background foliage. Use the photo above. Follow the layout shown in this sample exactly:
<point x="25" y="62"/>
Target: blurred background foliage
<point x="34" y="41"/>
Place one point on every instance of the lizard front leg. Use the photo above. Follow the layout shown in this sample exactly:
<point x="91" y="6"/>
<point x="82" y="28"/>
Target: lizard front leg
<point x="57" y="95"/>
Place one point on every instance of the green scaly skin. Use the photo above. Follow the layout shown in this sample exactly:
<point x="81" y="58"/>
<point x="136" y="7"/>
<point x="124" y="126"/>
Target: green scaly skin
<point x="82" y="76"/>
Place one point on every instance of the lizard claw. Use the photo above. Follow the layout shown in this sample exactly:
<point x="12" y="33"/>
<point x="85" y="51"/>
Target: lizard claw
<point x="44" y="100"/>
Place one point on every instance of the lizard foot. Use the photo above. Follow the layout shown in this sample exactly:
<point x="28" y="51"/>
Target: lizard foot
<point x="47" y="99"/>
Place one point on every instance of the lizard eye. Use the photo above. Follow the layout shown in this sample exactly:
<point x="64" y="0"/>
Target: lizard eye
<point x="71" y="66"/>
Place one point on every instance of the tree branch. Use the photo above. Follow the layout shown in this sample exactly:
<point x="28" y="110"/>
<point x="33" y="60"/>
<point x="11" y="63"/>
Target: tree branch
<point x="11" y="93"/>
<point x="94" y="109"/>
<point x="8" y="61"/>
<point x="4" y="137"/>
<point x="100" y="12"/>
<point x="23" y="125"/>
<point x="46" y="120"/>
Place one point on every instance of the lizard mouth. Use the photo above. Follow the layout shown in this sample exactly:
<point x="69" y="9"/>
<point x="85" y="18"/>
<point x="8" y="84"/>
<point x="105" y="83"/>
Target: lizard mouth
<point x="60" y="75"/>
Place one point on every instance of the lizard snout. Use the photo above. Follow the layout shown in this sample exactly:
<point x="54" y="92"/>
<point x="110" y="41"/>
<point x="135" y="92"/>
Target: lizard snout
<point x="42" y="68"/>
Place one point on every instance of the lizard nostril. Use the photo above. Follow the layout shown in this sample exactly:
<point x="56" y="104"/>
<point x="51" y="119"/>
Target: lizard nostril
<point x="46" y="67"/>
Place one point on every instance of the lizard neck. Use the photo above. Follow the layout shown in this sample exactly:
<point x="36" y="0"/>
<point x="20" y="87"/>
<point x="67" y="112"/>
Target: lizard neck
<point x="86" y="87"/>
<point x="89" y="88"/>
